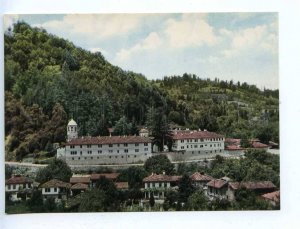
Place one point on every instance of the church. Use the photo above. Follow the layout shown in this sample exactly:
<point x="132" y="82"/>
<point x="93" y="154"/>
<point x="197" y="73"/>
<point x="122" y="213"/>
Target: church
<point x="103" y="149"/>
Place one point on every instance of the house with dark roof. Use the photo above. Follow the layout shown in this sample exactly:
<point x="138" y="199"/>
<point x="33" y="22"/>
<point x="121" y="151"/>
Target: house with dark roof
<point x="217" y="188"/>
<point x="18" y="188"/>
<point x="200" y="180"/>
<point x="259" y="187"/>
<point x="56" y="189"/>
<point x="158" y="184"/>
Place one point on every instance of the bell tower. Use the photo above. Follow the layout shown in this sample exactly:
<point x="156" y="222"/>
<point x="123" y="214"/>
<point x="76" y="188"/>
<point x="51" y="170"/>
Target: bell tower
<point x="72" y="130"/>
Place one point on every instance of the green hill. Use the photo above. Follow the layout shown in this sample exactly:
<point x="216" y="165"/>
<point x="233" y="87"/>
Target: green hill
<point x="49" y="80"/>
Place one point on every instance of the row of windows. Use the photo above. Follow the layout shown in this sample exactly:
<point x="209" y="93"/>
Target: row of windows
<point x="216" y="151"/>
<point x="200" y="146"/>
<point x="48" y="189"/>
<point x="110" y="151"/>
<point x="201" y="140"/>
<point x="147" y="185"/>
<point x="86" y="158"/>
<point x="109" y="145"/>
<point x="13" y="186"/>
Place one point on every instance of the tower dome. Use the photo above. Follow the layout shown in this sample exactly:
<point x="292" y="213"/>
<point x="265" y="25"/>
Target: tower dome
<point x="72" y="131"/>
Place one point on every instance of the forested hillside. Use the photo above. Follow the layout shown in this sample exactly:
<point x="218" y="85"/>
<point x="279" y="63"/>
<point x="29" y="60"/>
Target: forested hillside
<point x="49" y="80"/>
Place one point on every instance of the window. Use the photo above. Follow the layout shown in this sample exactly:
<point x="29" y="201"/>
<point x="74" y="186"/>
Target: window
<point x="201" y="146"/>
<point x="118" y="145"/>
<point x="126" y="150"/>
<point x="192" y="152"/>
<point x="125" y="144"/>
<point x="99" y="151"/>
<point x="55" y="189"/>
<point x="110" y="145"/>
<point x="191" y="146"/>
<point x="72" y="147"/>
<point x="118" y="151"/>
<point x="14" y="186"/>
<point x="136" y="150"/>
<point x="91" y="157"/>
<point x="78" y="158"/>
<point x="88" y="146"/>
<point x="97" y="157"/>
<point x="201" y="139"/>
<point x="116" y="156"/>
<point x="182" y="141"/>
<point x="73" y="158"/>
<point x="8" y="186"/>
<point x="159" y="184"/>
<point x="99" y="146"/>
<point x="182" y="147"/>
<point x="80" y="152"/>
<point x="128" y="155"/>
<point x="80" y="146"/>
<point x="187" y="147"/>
<point x="182" y="152"/>
<point x="196" y="140"/>
<point x="146" y="149"/>
<point x="195" y="146"/>
<point x="89" y="152"/>
<point x="210" y="145"/>
<point x="214" y="145"/>
<point x="85" y="158"/>
<point x="134" y="155"/>
<point x="110" y="151"/>
<point x="145" y="144"/>
<point x="122" y="156"/>
<point x="109" y="156"/>
<point x="145" y="154"/>
<point x="136" y="144"/>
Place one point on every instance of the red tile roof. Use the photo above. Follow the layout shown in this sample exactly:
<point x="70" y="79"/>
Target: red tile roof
<point x="233" y="141"/>
<point x="122" y="185"/>
<point x="110" y="176"/>
<point x="79" y="186"/>
<point x="180" y="135"/>
<point x="258" y="145"/>
<point x="217" y="183"/>
<point x="252" y="185"/>
<point x="18" y="180"/>
<point x="161" y="178"/>
<point x="55" y="184"/>
<point x="200" y="177"/>
<point x="80" y="179"/>
<point x="273" y="196"/>
<point x="233" y="147"/>
<point x="108" y="140"/>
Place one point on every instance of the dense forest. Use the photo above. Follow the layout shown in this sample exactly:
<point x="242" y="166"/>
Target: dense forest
<point x="49" y="80"/>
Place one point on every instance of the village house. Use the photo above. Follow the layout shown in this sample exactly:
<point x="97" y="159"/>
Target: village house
<point x="122" y="185"/>
<point x="18" y="188"/>
<point x="273" y="198"/>
<point x="158" y="184"/>
<point x="200" y="180"/>
<point x="95" y="177"/>
<point x="78" y="188"/>
<point x="259" y="187"/>
<point x="56" y="189"/>
<point x="217" y="188"/>
<point x="203" y="144"/>
<point x="103" y="149"/>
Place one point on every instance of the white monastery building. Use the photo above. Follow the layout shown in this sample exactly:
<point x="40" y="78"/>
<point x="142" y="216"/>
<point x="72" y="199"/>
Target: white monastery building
<point x="104" y="149"/>
<point x="198" y="144"/>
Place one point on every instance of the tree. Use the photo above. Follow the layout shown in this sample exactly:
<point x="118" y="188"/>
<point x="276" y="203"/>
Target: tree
<point x="93" y="201"/>
<point x="35" y="203"/>
<point x="57" y="169"/>
<point x="8" y="171"/>
<point x="122" y="127"/>
<point x="185" y="188"/>
<point x="151" y="200"/>
<point x="158" y="126"/>
<point x="159" y="164"/>
<point x="197" y="201"/>
<point x="134" y="176"/>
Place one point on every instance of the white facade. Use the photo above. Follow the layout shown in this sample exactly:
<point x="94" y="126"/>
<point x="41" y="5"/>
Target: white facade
<point x="120" y="153"/>
<point x="193" y="144"/>
<point x="15" y="189"/>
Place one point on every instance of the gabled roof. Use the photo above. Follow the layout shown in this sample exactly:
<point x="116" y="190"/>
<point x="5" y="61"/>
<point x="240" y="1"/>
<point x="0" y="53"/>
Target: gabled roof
<point x="217" y="183"/>
<point x="18" y="180"/>
<point x="79" y="186"/>
<point x="201" y="177"/>
<point x="108" y="140"/>
<point x="80" y="179"/>
<point x="252" y="185"/>
<point x="122" y="185"/>
<point x="180" y="135"/>
<point x="72" y="123"/>
<point x="161" y="178"/>
<point x="110" y="176"/>
<point x="273" y="196"/>
<point x="54" y="183"/>
<point x="256" y="144"/>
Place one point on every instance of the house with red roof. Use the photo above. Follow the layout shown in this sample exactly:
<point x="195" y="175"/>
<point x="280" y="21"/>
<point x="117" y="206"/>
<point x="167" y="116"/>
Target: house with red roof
<point x="56" y="189"/>
<point x="158" y="184"/>
<point x="200" y="180"/>
<point x="18" y="188"/>
<point x="273" y="198"/>
<point x="217" y="188"/>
